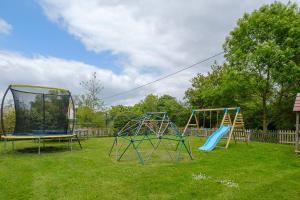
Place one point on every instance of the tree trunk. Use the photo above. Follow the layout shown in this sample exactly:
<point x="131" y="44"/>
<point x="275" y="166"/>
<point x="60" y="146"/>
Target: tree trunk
<point x="264" y="99"/>
<point x="264" y="117"/>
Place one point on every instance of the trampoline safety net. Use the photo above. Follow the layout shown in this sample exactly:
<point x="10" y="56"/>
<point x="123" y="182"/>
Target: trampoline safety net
<point x="40" y="110"/>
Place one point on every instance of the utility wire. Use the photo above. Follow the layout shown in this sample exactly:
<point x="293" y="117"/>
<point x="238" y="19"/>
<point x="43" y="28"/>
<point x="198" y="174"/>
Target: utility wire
<point x="164" y="77"/>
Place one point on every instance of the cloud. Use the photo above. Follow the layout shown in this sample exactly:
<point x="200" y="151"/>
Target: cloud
<point x="150" y="38"/>
<point x="158" y="34"/>
<point x="5" y="28"/>
<point x="16" y="68"/>
<point x="39" y="70"/>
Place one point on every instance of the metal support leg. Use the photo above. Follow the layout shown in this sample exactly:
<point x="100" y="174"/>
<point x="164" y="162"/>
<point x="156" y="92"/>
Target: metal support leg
<point x="187" y="150"/>
<point x="138" y="153"/>
<point x="5" y="141"/>
<point x="179" y="150"/>
<point x="154" y="149"/>
<point x="13" y="145"/>
<point x="71" y="147"/>
<point x="69" y="143"/>
<point x="150" y="141"/>
<point x="177" y="146"/>
<point x="78" y="141"/>
<point x="112" y="147"/>
<point x="124" y="152"/>
<point x="39" y="149"/>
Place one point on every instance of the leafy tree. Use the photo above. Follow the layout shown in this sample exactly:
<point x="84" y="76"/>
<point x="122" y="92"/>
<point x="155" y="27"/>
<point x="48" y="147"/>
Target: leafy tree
<point x="91" y="99"/>
<point x="9" y="119"/>
<point x="149" y="104"/>
<point x="121" y="114"/>
<point x="86" y="117"/>
<point x="121" y="119"/>
<point x="219" y="88"/>
<point x="176" y="111"/>
<point x="152" y="103"/>
<point x="223" y="87"/>
<point x="265" y="47"/>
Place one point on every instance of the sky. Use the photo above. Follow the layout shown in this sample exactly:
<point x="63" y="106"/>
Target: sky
<point x="128" y="43"/>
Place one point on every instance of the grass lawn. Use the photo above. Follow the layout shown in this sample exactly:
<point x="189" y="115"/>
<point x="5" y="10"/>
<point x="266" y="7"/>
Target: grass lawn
<point x="254" y="171"/>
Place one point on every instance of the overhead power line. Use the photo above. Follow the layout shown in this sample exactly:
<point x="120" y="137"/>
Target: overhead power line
<point x="164" y="77"/>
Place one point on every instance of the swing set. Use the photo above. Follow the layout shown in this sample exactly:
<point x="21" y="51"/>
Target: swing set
<point x="235" y="127"/>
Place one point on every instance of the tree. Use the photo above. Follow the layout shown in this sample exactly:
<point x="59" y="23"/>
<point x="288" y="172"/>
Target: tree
<point x="176" y="111"/>
<point x="152" y="103"/>
<point x="224" y="87"/>
<point x="9" y="119"/>
<point x="149" y="104"/>
<point x="86" y="117"/>
<point x="93" y="88"/>
<point x="265" y="47"/>
<point x="219" y="88"/>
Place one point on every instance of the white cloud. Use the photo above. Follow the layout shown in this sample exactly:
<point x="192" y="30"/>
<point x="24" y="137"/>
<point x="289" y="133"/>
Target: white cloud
<point x="5" y="28"/>
<point x="163" y="34"/>
<point x="50" y="71"/>
<point x="18" y="69"/>
<point x="151" y="38"/>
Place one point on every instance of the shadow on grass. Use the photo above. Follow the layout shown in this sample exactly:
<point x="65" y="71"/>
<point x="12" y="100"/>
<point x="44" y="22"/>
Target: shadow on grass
<point x="34" y="150"/>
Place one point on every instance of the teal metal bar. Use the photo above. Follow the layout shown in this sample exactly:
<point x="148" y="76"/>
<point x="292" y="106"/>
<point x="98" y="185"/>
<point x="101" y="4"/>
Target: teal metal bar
<point x="178" y="152"/>
<point x="138" y="153"/>
<point x="124" y="151"/>
<point x="112" y="147"/>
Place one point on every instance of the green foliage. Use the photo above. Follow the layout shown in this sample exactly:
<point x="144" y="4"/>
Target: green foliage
<point x="91" y="98"/>
<point x="220" y="87"/>
<point x="90" y="105"/>
<point x="265" y="47"/>
<point x="121" y="119"/>
<point x="262" y="72"/>
<point x="86" y="117"/>
<point x="9" y="119"/>
<point x="177" y="112"/>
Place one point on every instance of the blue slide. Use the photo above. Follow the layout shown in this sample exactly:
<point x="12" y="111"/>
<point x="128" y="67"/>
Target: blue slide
<point x="212" y="141"/>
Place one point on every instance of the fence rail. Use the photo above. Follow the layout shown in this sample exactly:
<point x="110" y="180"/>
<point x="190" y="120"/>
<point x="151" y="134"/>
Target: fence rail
<point x="287" y="137"/>
<point x="85" y="133"/>
<point x="279" y="136"/>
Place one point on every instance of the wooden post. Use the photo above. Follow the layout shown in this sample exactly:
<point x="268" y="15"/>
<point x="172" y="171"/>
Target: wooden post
<point x="297" y="133"/>
<point x="186" y="126"/>
<point x="238" y="122"/>
<point x="231" y="131"/>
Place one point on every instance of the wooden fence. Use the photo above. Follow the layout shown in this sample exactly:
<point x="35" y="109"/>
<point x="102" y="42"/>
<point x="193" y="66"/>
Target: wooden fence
<point x="85" y="133"/>
<point x="279" y="136"/>
<point x="287" y="137"/>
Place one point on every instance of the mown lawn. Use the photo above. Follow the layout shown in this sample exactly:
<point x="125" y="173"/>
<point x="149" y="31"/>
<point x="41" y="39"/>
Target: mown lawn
<point x="254" y="171"/>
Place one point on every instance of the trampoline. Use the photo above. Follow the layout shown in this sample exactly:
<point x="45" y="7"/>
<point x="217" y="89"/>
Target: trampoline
<point x="39" y="113"/>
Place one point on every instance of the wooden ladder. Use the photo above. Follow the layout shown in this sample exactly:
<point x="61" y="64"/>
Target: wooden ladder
<point x="238" y="122"/>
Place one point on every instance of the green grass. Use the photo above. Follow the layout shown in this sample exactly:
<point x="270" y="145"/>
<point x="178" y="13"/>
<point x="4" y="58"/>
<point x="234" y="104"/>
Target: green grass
<point x="254" y="171"/>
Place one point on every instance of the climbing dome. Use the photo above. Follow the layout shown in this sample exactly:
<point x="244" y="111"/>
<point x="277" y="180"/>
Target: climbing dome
<point x="158" y="131"/>
<point x="40" y="112"/>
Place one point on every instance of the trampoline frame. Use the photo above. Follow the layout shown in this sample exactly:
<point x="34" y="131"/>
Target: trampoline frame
<point x="41" y="137"/>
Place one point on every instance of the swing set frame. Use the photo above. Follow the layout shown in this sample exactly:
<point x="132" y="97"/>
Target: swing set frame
<point x="238" y="122"/>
